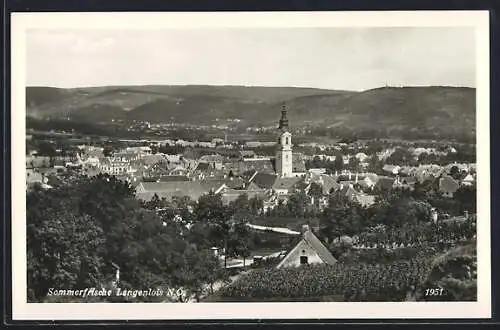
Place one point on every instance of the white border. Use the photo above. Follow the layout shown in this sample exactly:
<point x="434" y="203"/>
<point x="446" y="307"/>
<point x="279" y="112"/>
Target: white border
<point x="112" y="311"/>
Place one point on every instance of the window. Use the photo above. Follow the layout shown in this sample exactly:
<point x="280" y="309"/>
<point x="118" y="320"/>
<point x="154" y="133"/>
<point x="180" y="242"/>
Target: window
<point x="303" y="260"/>
<point x="287" y="141"/>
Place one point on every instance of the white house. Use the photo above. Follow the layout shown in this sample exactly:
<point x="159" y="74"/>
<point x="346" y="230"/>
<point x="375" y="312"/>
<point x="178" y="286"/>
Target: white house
<point x="308" y="251"/>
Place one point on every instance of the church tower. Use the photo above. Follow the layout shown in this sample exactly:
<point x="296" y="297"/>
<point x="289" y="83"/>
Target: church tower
<point x="284" y="151"/>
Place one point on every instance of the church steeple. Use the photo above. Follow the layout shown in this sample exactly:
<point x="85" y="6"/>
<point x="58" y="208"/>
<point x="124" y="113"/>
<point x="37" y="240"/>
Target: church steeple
<point x="283" y="120"/>
<point x="284" y="166"/>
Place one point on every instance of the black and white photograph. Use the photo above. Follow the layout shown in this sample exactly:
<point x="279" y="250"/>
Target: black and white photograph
<point x="298" y="160"/>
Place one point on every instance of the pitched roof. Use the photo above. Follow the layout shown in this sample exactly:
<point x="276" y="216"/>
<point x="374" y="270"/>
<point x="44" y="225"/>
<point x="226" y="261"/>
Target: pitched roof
<point x="385" y="183"/>
<point x="349" y="191"/>
<point x="203" y="167"/>
<point x="468" y="178"/>
<point x="285" y="183"/>
<point x="320" y="249"/>
<point x="310" y="239"/>
<point x="328" y="183"/>
<point x="264" y="180"/>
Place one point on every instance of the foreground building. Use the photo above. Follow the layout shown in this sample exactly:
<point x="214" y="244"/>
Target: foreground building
<point x="308" y="251"/>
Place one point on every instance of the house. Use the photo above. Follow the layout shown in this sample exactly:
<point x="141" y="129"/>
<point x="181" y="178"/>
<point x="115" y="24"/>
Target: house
<point x="392" y="169"/>
<point x="308" y="251"/>
<point x="215" y="161"/>
<point x="405" y="182"/>
<point x="448" y="186"/>
<point x="114" y="166"/>
<point x="349" y="192"/>
<point x="284" y="186"/>
<point x="328" y="183"/>
<point x="468" y="180"/>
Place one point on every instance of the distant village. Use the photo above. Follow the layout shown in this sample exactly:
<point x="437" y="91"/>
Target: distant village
<point x="233" y="169"/>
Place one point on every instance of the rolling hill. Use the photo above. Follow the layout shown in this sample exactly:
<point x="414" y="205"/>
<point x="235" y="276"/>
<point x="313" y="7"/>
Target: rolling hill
<point x="450" y="110"/>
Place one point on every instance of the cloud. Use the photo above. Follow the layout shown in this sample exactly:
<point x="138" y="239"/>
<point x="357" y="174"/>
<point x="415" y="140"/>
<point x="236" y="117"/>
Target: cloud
<point x="336" y="58"/>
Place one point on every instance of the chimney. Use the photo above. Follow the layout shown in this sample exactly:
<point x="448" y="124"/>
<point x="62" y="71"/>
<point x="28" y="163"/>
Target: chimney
<point x="305" y="228"/>
<point x="357" y="177"/>
<point x="466" y="214"/>
<point x="349" y="175"/>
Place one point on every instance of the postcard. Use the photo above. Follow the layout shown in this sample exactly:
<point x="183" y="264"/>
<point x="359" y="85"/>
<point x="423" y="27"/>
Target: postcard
<point x="250" y="165"/>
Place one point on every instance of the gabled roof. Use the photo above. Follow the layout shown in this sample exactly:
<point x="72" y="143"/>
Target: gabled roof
<point x="385" y="183"/>
<point x="310" y="239"/>
<point x="252" y="186"/>
<point x="469" y="178"/>
<point x="349" y="191"/>
<point x="320" y="249"/>
<point x="328" y="183"/>
<point x="203" y="167"/>
<point x="286" y="183"/>
<point x="264" y="180"/>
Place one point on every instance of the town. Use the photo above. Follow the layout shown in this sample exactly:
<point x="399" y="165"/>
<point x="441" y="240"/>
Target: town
<point x="241" y="218"/>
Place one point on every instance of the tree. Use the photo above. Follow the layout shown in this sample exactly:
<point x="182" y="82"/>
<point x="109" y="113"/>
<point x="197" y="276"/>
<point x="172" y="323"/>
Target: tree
<point x="338" y="163"/>
<point x="63" y="250"/>
<point x="466" y="196"/>
<point x="296" y="204"/>
<point x="74" y="232"/>
<point x="211" y="214"/>
<point x="354" y="164"/>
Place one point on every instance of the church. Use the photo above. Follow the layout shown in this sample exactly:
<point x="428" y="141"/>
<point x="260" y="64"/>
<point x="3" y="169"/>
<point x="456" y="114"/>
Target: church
<point x="285" y="165"/>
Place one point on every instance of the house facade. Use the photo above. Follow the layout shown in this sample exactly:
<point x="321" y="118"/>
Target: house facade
<point x="308" y="251"/>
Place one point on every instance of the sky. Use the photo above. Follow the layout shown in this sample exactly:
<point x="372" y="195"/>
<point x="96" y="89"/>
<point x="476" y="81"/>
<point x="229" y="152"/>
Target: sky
<point x="330" y="58"/>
